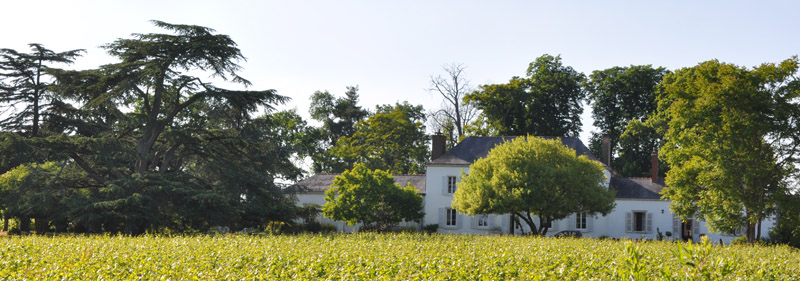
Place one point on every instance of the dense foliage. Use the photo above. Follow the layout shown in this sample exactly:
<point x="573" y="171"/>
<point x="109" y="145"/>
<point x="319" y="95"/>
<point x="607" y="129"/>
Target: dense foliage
<point x="372" y="198"/>
<point x="148" y="143"/>
<point x="393" y="139"/>
<point x="621" y="99"/>
<point x="534" y="176"/>
<point x="385" y="257"/>
<point x="547" y="102"/>
<point x="731" y="139"/>
<point x="141" y="145"/>
<point x="339" y="117"/>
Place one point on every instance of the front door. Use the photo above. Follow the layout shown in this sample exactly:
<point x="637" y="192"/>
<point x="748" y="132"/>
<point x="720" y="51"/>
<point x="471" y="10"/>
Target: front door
<point x="686" y="230"/>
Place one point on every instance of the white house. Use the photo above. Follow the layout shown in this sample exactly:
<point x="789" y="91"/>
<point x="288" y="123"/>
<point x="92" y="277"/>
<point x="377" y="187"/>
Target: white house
<point x="640" y="211"/>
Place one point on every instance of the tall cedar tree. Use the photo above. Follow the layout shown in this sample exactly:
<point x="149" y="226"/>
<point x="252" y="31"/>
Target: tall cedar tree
<point x="24" y="86"/>
<point x="25" y="94"/>
<point x="189" y="155"/>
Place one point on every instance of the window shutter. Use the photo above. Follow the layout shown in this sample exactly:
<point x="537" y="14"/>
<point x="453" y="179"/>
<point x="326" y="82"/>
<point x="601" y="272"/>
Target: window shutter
<point x="589" y="223"/>
<point x="695" y="230"/>
<point x="459" y="219"/>
<point x="473" y="222"/>
<point x="676" y="228"/>
<point x="444" y="185"/>
<point x="505" y="224"/>
<point x="441" y="217"/>
<point x="649" y="228"/>
<point x="491" y="221"/>
<point x="628" y="222"/>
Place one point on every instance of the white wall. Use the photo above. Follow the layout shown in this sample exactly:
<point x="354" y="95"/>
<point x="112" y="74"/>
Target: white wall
<point x="318" y="198"/>
<point x="611" y="225"/>
<point x="615" y="223"/>
<point x="437" y="198"/>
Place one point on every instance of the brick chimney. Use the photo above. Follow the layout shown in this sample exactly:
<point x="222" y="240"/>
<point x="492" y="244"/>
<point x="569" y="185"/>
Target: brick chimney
<point x="654" y="166"/>
<point x="438" y="146"/>
<point x="605" y="158"/>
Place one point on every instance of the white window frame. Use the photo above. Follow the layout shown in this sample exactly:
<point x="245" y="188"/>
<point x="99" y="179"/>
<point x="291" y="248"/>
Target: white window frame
<point x="581" y="221"/>
<point x="483" y="221"/>
<point x="450" y="217"/>
<point x="451" y="184"/>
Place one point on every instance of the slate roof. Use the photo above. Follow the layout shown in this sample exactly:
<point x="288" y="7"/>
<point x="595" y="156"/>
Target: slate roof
<point x="637" y="188"/>
<point x="474" y="148"/>
<point x="321" y="182"/>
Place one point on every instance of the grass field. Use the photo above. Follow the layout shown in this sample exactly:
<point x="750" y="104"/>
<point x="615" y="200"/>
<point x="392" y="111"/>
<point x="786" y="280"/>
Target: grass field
<point x="384" y="257"/>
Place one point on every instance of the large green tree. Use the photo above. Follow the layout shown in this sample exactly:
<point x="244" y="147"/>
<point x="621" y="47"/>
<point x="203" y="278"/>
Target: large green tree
<point x="339" y="117"/>
<point x="30" y="191"/>
<point x="731" y="138"/>
<point x="531" y="176"/>
<point x="148" y="146"/>
<point x="393" y="139"/>
<point x="26" y="102"/>
<point x="371" y="197"/>
<point x="618" y="96"/>
<point x="547" y="102"/>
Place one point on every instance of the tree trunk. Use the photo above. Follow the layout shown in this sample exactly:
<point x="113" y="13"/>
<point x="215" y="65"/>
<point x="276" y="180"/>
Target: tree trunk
<point x="5" y="223"/>
<point x="544" y="225"/>
<point x="36" y="94"/>
<point x="25" y="224"/>
<point x="529" y="221"/>
<point x="751" y="233"/>
<point x="41" y="225"/>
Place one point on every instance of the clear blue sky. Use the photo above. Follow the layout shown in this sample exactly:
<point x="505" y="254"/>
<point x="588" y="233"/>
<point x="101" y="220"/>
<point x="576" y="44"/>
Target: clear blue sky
<point x="390" y="49"/>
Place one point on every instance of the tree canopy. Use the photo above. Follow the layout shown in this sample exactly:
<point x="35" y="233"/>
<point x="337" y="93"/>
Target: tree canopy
<point x="25" y="87"/>
<point x="144" y="145"/>
<point x="339" y="117"/>
<point x="620" y="96"/>
<point x="547" y="102"/>
<point x="729" y="135"/>
<point x="371" y="197"/>
<point x="393" y="139"/>
<point x="534" y="176"/>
